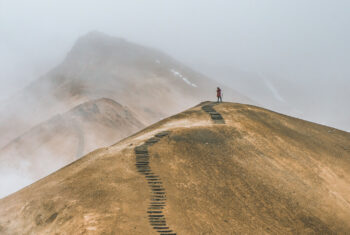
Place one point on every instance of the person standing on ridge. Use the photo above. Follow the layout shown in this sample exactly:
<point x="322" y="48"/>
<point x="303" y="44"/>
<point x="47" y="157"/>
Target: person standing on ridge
<point x="218" y="94"/>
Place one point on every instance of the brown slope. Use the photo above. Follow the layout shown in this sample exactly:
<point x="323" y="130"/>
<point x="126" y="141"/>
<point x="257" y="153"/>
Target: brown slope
<point x="149" y="82"/>
<point x="67" y="137"/>
<point x="260" y="172"/>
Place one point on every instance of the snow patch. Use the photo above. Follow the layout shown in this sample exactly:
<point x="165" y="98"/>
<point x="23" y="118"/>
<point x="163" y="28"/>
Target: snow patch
<point x="188" y="82"/>
<point x="177" y="74"/>
<point x="274" y="91"/>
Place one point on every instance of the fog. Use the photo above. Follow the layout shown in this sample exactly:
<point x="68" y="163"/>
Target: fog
<point x="299" y="48"/>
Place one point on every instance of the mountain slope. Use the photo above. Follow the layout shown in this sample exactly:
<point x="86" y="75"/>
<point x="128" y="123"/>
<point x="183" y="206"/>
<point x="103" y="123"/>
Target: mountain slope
<point x="259" y="172"/>
<point x="150" y="83"/>
<point x="65" y="138"/>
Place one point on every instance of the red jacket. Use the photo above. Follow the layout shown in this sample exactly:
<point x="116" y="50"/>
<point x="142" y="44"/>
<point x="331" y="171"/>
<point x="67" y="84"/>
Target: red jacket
<point x="218" y="92"/>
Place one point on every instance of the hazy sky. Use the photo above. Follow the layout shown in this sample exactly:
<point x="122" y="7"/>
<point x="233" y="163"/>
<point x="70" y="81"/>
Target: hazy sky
<point x="305" y="41"/>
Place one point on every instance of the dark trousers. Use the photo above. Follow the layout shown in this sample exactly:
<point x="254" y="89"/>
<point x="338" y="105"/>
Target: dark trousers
<point x="219" y="99"/>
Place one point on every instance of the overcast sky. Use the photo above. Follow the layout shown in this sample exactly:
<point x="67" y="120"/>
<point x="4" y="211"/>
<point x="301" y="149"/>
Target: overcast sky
<point x="306" y="41"/>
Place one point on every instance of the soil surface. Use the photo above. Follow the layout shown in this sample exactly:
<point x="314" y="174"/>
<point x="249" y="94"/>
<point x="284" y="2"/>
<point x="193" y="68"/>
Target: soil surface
<point x="258" y="172"/>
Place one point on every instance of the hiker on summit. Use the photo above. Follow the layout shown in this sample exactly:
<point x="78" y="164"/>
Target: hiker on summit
<point x="218" y="94"/>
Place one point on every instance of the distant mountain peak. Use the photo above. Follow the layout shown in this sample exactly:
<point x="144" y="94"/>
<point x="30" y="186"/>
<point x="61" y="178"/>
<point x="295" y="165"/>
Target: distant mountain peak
<point x="96" y="35"/>
<point x="96" y="43"/>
